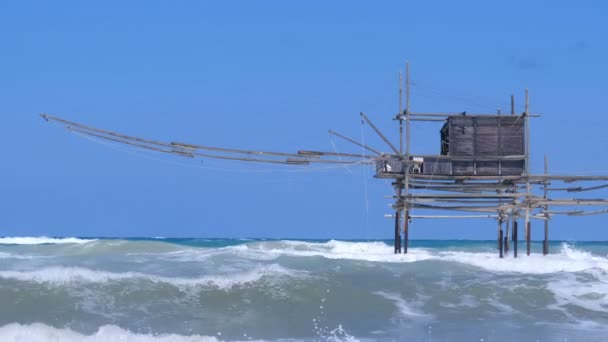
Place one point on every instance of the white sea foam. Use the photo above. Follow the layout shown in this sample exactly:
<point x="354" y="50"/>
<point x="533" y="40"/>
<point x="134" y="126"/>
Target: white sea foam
<point x="4" y="255"/>
<point x="363" y="251"/>
<point x="271" y="250"/>
<point x="68" y="275"/>
<point x="588" y="294"/>
<point x="39" y="332"/>
<point x="568" y="260"/>
<point x="406" y="309"/>
<point x="27" y="240"/>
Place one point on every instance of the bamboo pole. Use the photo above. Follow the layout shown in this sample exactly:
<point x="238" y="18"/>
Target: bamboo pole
<point x="528" y="237"/>
<point x="546" y="240"/>
<point x="397" y="233"/>
<point x="354" y="142"/>
<point x="406" y="231"/>
<point x="445" y="115"/>
<point x="399" y="187"/>
<point x="400" y="112"/>
<point x="508" y="224"/>
<point x="406" y="224"/>
<point x="527" y="147"/>
<point x="512" y="104"/>
<point x="382" y="136"/>
<point x="500" y="238"/>
<point x="515" y="237"/>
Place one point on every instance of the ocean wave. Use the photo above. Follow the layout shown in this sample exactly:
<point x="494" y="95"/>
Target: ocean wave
<point x="407" y="310"/>
<point x="589" y="294"/>
<point x="4" y="255"/>
<point x="333" y="249"/>
<point x="38" y="332"/>
<point x="568" y="259"/>
<point x="69" y="275"/>
<point x="30" y="240"/>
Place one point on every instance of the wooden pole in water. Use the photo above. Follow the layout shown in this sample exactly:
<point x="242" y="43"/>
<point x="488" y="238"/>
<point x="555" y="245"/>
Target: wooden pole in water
<point x="499" y="245"/>
<point x="500" y="250"/>
<point x="400" y="112"/>
<point x="406" y="226"/>
<point x="515" y="237"/>
<point x="398" y="188"/>
<point x="528" y="237"/>
<point x="546" y="241"/>
<point x="406" y="231"/>
<point x="397" y="233"/>
<point x="527" y="138"/>
<point x="508" y="230"/>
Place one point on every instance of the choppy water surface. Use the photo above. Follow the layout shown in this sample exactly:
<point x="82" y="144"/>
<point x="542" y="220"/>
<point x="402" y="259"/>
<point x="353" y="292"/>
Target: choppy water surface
<point x="195" y="289"/>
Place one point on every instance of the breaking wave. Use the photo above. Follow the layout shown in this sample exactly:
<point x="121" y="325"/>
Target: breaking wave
<point x="290" y="290"/>
<point x="68" y="275"/>
<point x="41" y="240"/>
<point x="38" y="332"/>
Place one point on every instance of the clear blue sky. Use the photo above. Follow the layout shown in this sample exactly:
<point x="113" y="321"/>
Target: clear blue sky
<point x="276" y="75"/>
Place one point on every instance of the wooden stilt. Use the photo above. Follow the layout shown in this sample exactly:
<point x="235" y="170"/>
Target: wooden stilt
<point x="515" y="238"/>
<point x="500" y="250"/>
<point x="406" y="231"/>
<point x="397" y="233"/>
<point x="527" y="147"/>
<point x="528" y="235"/>
<point x="406" y="224"/>
<point x="546" y="241"/>
<point x="508" y="224"/>
<point x="499" y="244"/>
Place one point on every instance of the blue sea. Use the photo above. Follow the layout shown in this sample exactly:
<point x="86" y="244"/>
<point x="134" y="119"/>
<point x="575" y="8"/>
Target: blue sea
<point x="99" y="289"/>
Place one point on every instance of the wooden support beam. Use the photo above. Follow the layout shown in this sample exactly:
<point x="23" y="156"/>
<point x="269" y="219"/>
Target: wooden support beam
<point x="546" y="241"/>
<point x="508" y="229"/>
<point x="406" y="174"/>
<point x="528" y="237"/>
<point x="527" y="167"/>
<point x="570" y="202"/>
<point x="427" y="120"/>
<point x="461" y="114"/>
<point x="400" y="112"/>
<point x="567" y="178"/>
<point x="379" y="133"/>
<point x="512" y="104"/>
<point x="406" y="231"/>
<point x="397" y="232"/>
<point x="452" y="216"/>
<point x="515" y="237"/>
<point x="465" y="196"/>
<point x="471" y="158"/>
<point x="376" y="152"/>
<point x="500" y="238"/>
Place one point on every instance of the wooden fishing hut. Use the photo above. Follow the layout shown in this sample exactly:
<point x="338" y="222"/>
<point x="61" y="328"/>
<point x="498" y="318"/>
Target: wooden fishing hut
<point x="482" y="170"/>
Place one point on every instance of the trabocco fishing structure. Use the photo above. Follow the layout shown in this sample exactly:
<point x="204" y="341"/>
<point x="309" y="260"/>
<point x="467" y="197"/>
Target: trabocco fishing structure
<point x="481" y="172"/>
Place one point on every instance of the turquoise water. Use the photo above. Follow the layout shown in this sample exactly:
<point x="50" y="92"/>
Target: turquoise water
<point x="299" y="290"/>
